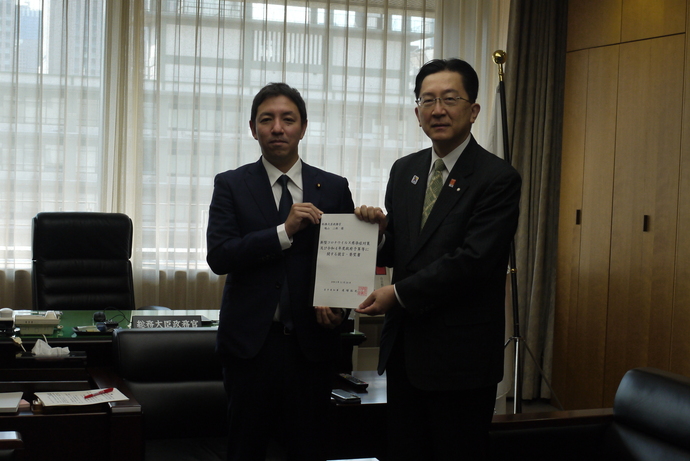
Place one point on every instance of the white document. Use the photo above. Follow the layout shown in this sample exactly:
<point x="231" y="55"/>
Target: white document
<point x="9" y="401"/>
<point x="345" y="261"/>
<point x="74" y="398"/>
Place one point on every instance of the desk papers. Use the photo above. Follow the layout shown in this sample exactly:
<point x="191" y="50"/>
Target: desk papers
<point x="345" y="261"/>
<point x="9" y="401"/>
<point x="75" y="398"/>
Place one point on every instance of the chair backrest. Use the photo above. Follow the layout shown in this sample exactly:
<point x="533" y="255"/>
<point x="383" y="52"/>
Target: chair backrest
<point x="81" y="261"/>
<point x="177" y="377"/>
<point x="652" y="415"/>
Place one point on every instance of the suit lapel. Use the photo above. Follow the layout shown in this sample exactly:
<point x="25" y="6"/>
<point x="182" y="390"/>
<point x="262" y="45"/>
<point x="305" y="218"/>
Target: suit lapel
<point x="259" y="187"/>
<point x="453" y="189"/>
<point x="416" y="178"/>
<point x="311" y="184"/>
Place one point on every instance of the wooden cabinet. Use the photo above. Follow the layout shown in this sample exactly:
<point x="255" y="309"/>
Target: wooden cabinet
<point x="645" y="207"/>
<point x="618" y="302"/>
<point x="585" y="226"/>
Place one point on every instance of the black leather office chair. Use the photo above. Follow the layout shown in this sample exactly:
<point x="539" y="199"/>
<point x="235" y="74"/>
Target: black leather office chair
<point x="81" y="261"/>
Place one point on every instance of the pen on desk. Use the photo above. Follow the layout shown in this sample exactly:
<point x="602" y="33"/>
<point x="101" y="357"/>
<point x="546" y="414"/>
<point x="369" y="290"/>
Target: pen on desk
<point x="104" y="391"/>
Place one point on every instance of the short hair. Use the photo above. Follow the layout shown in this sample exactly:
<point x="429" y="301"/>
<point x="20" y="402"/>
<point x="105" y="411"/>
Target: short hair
<point x="273" y="90"/>
<point x="469" y="77"/>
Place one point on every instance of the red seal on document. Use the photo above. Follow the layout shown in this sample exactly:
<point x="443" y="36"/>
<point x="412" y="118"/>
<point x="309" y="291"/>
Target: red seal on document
<point x="362" y="291"/>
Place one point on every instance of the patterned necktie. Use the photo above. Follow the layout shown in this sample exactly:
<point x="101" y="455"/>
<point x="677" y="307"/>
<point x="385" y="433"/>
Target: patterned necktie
<point x="285" y="199"/>
<point x="433" y="189"/>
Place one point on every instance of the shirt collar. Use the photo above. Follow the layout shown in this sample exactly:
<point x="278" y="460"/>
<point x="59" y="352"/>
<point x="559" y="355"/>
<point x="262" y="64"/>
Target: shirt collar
<point x="452" y="157"/>
<point x="295" y="173"/>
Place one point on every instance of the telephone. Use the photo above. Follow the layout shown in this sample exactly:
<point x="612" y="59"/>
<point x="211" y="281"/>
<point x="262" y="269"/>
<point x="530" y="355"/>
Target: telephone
<point x="36" y="324"/>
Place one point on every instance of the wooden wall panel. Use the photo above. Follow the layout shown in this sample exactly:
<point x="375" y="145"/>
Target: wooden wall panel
<point x="680" y="328"/>
<point x="590" y="332"/>
<point x="572" y="167"/>
<point x="645" y="184"/>
<point x="587" y="341"/>
<point x="643" y="19"/>
<point x="624" y="299"/>
<point x="593" y="23"/>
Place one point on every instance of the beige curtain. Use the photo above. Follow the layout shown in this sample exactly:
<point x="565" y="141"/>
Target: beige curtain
<point x="534" y="81"/>
<point x="472" y="30"/>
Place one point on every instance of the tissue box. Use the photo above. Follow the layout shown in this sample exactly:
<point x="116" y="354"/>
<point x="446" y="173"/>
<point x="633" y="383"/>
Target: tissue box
<point x="37" y="324"/>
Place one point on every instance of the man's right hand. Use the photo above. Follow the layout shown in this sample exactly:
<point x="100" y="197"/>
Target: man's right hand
<point x="301" y="215"/>
<point x="372" y="215"/>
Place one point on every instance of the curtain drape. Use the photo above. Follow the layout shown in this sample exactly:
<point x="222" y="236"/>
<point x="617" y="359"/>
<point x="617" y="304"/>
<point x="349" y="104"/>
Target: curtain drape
<point x="472" y="30"/>
<point x="534" y="80"/>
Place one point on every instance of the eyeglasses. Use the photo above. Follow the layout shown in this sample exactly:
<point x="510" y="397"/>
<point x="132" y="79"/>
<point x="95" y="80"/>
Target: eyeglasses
<point x="448" y="101"/>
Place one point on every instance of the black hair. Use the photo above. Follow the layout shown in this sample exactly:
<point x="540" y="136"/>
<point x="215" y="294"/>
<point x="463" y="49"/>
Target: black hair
<point x="469" y="77"/>
<point x="279" y="89"/>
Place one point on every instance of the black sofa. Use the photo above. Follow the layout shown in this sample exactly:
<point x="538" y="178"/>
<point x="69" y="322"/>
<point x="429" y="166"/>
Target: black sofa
<point x="650" y="421"/>
<point x="175" y="377"/>
<point x="177" y="403"/>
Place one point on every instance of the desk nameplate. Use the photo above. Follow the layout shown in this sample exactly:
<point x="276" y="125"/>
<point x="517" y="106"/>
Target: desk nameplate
<point x="166" y="321"/>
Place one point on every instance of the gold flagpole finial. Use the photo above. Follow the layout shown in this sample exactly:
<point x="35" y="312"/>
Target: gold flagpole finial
<point x="499" y="57"/>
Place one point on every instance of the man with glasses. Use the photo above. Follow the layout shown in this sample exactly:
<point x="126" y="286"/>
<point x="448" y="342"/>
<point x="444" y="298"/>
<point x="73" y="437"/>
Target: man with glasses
<point x="452" y="213"/>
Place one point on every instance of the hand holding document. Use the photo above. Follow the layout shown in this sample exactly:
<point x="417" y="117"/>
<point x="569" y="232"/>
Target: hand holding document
<point x="345" y="262"/>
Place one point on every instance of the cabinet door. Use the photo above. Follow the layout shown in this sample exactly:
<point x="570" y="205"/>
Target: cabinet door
<point x="680" y="338"/>
<point x="645" y="206"/>
<point x="641" y="19"/>
<point x="582" y="288"/>
<point x="570" y="212"/>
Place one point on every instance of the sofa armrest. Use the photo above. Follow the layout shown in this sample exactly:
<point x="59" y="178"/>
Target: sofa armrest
<point x="106" y="377"/>
<point x="126" y="417"/>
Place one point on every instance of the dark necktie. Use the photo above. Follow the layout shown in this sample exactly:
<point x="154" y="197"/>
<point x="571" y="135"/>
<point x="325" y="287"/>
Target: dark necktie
<point x="283" y="212"/>
<point x="285" y="199"/>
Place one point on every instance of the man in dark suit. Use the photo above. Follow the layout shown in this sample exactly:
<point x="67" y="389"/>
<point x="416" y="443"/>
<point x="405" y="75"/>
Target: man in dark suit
<point x="452" y="213"/>
<point x="276" y="347"/>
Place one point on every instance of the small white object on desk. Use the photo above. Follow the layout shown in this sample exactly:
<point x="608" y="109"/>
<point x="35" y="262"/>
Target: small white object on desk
<point x="42" y="349"/>
<point x="9" y="401"/>
<point x="37" y="324"/>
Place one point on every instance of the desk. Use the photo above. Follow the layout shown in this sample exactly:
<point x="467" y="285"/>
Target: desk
<point x="89" y="433"/>
<point x="360" y="429"/>
<point x="96" y="345"/>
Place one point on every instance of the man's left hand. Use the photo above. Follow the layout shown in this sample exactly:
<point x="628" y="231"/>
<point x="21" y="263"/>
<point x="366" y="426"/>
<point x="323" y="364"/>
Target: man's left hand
<point x="327" y="317"/>
<point x="379" y="302"/>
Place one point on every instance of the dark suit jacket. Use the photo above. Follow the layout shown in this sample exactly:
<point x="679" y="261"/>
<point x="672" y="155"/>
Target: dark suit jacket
<point x="243" y="243"/>
<point x="450" y="276"/>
